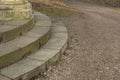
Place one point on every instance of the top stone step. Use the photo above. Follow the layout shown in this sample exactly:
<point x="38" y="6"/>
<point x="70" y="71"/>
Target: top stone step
<point x="13" y="29"/>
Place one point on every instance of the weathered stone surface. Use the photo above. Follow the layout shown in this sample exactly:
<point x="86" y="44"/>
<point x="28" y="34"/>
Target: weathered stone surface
<point x="44" y="54"/>
<point x="42" y="33"/>
<point x="55" y="47"/>
<point x="40" y="30"/>
<point x="15" y="9"/>
<point x="58" y="39"/>
<point x="15" y="22"/>
<point x="9" y="53"/>
<point x="9" y="32"/>
<point x="24" y="45"/>
<point x="27" y="44"/>
<point x="51" y="56"/>
<point x="38" y="13"/>
<point x="24" y="69"/>
<point x="24" y="24"/>
<point x="28" y="26"/>
<point x="12" y="29"/>
<point x="41" y="17"/>
<point x="60" y="35"/>
<point x="35" y="63"/>
<point x="44" y="23"/>
<point x="13" y="1"/>
<point x="59" y="29"/>
<point x="58" y="23"/>
<point x="45" y="38"/>
<point x="4" y="78"/>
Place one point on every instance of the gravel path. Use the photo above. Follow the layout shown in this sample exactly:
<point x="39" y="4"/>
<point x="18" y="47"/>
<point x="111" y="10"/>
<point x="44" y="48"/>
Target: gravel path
<point x="94" y="45"/>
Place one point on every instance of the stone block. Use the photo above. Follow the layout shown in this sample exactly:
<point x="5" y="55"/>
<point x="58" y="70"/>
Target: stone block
<point x="24" y="69"/>
<point x="9" y="32"/>
<point x="12" y="29"/>
<point x="42" y="33"/>
<point x="41" y="17"/>
<point x="59" y="29"/>
<point x="4" y="78"/>
<point x="58" y="40"/>
<point x="44" y="23"/>
<point x="27" y="44"/>
<point x="15" y="10"/>
<point x="36" y="63"/>
<point x="9" y="53"/>
<point x="51" y="56"/>
<point x="26" y="25"/>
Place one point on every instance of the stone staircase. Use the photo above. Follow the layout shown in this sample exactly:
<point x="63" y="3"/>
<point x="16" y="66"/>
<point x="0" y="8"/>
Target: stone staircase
<point x="29" y="47"/>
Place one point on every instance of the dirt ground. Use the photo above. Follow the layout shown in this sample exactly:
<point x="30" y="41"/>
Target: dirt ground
<point x="94" y="45"/>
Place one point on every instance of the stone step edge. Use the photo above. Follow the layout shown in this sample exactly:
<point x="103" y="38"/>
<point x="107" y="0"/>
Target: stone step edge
<point x="21" y="50"/>
<point x="15" y="28"/>
<point x="36" y="64"/>
<point x="13" y="31"/>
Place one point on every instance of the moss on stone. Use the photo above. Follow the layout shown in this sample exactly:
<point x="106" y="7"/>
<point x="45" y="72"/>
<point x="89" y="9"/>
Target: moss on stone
<point x="53" y="11"/>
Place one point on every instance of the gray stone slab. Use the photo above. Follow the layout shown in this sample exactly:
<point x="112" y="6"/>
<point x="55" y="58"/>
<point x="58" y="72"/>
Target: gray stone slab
<point x="59" y="29"/>
<point x="44" y="23"/>
<point x="16" y="22"/>
<point x="35" y="63"/>
<point x="40" y="30"/>
<point x="4" y="28"/>
<point x="23" y="69"/>
<point x="4" y="78"/>
<point x="9" y="32"/>
<point x="9" y="53"/>
<point x="7" y="48"/>
<point x="42" y="33"/>
<point x="39" y="16"/>
<point x="28" y="26"/>
<point x="12" y="29"/>
<point x="42" y="18"/>
<point x="38" y="13"/>
<point x="24" y="24"/>
<point x="44" y="54"/>
<point x="33" y="34"/>
<point x="23" y="45"/>
<point x="57" y="41"/>
<point x="27" y="44"/>
<point x="60" y="35"/>
<point x="23" y="41"/>
<point x="50" y="56"/>
<point x="57" y="23"/>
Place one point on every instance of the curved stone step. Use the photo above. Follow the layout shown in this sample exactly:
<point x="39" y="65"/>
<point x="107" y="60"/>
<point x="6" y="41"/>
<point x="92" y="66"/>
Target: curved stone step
<point x="9" y="30"/>
<point x="12" y="29"/>
<point x="29" y="42"/>
<point x="38" y="62"/>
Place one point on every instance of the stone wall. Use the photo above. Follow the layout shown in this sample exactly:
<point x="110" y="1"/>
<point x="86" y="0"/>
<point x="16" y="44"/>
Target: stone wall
<point x="10" y="10"/>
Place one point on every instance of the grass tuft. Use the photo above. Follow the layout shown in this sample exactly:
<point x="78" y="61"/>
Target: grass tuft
<point x="53" y="7"/>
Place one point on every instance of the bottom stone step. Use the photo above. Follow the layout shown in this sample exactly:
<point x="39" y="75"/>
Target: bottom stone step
<point x="4" y="78"/>
<point x="38" y="62"/>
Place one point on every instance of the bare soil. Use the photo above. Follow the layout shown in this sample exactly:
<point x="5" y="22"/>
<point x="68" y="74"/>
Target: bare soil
<point x="94" y="45"/>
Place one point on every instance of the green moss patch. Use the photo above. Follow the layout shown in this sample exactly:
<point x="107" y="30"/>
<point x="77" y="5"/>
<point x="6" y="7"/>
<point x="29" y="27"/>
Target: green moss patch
<point x="53" y="11"/>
